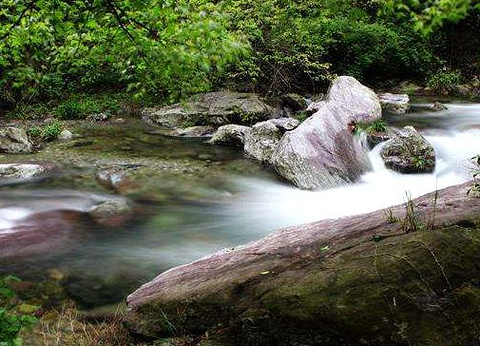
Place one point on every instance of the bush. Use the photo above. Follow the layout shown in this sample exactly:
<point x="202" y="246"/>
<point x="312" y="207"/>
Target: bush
<point x="445" y="82"/>
<point x="11" y="321"/>
<point x="51" y="131"/>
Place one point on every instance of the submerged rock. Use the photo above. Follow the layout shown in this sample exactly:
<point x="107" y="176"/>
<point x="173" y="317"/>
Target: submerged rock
<point x="14" y="141"/>
<point x="355" y="280"/>
<point x="262" y="140"/>
<point x="230" y="134"/>
<point x="408" y="152"/>
<point x="322" y="151"/>
<point x="213" y="109"/>
<point x="395" y="103"/>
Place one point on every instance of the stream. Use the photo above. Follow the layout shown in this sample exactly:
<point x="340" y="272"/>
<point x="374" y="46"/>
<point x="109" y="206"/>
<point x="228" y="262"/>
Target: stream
<point x="211" y="198"/>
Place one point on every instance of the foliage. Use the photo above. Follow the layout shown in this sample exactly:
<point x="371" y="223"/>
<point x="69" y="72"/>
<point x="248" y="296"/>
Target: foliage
<point x="47" y="133"/>
<point x="302" y="45"/>
<point x="11" y="321"/>
<point x="444" y="81"/>
<point x="430" y="15"/>
<point x="168" y="48"/>
<point x="372" y="127"/>
<point x="52" y="131"/>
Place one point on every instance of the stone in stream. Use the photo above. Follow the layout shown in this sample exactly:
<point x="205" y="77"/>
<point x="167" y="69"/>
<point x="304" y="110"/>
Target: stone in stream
<point x="65" y="135"/>
<point x="14" y="141"/>
<point x="231" y="134"/>
<point x="213" y="109"/>
<point x="22" y="172"/>
<point x="395" y="103"/>
<point x="408" y="152"/>
<point x="350" y="281"/>
<point x="438" y="107"/>
<point x="322" y="151"/>
<point x="112" y="213"/>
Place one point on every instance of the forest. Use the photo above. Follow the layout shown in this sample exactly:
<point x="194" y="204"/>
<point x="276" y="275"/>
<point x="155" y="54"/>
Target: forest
<point x="167" y="50"/>
<point x="239" y="172"/>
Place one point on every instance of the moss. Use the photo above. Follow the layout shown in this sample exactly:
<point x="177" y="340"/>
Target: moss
<point x="413" y="288"/>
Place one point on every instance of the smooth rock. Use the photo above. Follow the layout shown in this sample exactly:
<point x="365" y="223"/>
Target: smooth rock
<point x="65" y="135"/>
<point x="408" y="152"/>
<point x="262" y="140"/>
<point x="395" y="103"/>
<point x="230" y="134"/>
<point x="357" y="280"/>
<point x="213" y="109"/>
<point x="322" y="151"/>
<point x="14" y="141"/>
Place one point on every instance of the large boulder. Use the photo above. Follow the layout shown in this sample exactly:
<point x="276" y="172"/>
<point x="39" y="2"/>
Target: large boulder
<point x="215" y="108"/>
<point x="358" y="280"/>
<point x="395" y="103"/>
<point x="408" y="152"/>
<point x="322" y="152"/>
<point x="230" y="134"/>
<point x="262" y="140"/>
<point x="14" y="141"/>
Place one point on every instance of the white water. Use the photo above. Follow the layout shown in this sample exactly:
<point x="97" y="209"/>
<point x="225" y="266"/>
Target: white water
<point x="278" y="205"/>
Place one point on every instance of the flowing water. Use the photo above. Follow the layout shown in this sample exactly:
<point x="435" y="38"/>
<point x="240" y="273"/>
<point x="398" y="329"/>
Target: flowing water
<point x="103" y="264"/>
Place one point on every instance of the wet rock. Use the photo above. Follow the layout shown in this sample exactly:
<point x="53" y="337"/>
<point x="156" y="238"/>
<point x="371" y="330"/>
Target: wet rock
<point x="395" y="103"/>
<point x="294" y="102"/>
<point x="438" y="107"/>
<point x="112" y="213"/>
<point x="213" y="109"/>
<point x="193" y="132"/>
<point x="230" y="134"/>
<point x="21" y="172"/>
<point x="262" y="140"/>
<point x="116" y="178"/>
<point x="40" y="233"/>
<point x="65" y="135"/>
<point x="351" y="281"/>
<point x="322" y="151"/>
<point x="374" y="138"/>
<point x="408" y="152"/>
<point x="14" y="141"/>
<point x="285" y="124"/>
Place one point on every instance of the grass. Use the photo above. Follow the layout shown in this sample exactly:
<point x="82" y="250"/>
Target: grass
<point x="47" y="133"/>
<point x="65" y="328"/>
<point x="413" y="220"/>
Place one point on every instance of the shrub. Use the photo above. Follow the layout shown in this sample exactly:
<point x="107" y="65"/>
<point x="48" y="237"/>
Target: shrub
<point x="11" y="321"/>
<point x="51" y="131"/>
<point x="445" y="82"/>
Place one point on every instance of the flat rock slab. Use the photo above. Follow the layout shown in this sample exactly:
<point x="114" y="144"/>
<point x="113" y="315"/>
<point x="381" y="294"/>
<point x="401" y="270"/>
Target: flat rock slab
<point x="213" y="109"/>
<point x="364" y="279"/>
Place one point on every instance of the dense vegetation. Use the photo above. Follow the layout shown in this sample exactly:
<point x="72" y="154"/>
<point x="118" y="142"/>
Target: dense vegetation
<point x="168" y="49"/>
